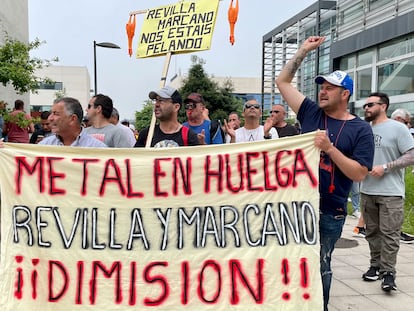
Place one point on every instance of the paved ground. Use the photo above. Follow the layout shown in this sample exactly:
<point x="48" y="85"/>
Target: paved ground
<point x="350" y="292"/>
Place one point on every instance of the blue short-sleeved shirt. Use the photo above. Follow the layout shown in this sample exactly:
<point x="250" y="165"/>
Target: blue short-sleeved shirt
<point x="353" y="138"/>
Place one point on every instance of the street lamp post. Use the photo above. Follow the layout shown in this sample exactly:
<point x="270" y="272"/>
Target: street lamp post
<point x="103" y="45"/>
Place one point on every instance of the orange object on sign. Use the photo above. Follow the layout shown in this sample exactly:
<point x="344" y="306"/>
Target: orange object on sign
<point x="130" y="29"/>
<point x="232" y="14"/>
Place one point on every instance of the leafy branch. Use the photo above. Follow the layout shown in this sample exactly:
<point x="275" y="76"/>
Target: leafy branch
<point x="17" y="67"/>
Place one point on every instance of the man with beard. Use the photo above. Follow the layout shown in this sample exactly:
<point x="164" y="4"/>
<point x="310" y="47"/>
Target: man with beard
<point x="383" y="190"/>
<point x="347" y="147"/>
<point x="168" y="132"/>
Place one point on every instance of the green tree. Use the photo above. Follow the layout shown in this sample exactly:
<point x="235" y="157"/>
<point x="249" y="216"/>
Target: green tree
<point x="143" y="117"/>
<point x="17" y="67"/>
<point x="218" y="99"/>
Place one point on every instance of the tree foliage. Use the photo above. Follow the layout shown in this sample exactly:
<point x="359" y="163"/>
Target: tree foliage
<point x="17" y="67"/>
<point x="143" y="117"/>
<point x="218" y="99"/>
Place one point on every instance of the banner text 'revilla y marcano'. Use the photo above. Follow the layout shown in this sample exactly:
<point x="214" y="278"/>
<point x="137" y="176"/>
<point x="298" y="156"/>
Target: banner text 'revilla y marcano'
<point x="231" y="226"/>
<point x="177" y="28"/>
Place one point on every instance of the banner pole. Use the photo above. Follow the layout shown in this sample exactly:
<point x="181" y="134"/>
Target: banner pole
<point x="162" y="84"/>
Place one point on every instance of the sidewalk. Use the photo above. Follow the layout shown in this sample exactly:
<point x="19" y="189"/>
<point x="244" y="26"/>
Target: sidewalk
<point x="350" y="292"/>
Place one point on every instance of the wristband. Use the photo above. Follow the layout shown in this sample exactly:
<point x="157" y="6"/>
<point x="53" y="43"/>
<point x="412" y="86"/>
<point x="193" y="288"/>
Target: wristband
<point x="268" y="137"/>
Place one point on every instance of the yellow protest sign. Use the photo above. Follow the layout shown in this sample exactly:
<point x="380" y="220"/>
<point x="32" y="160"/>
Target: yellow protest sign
<point x="178" y="28"/>
<point x="231" y="226"/>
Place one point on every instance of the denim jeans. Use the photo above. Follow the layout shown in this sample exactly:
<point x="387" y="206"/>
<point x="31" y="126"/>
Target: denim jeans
<point x="330" y="229"/>
<point x="355" y="196"/>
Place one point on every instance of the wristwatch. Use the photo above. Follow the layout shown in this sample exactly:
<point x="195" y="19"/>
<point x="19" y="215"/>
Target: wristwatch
<point x="268" y="137"/>
<point x="385" y="167"/>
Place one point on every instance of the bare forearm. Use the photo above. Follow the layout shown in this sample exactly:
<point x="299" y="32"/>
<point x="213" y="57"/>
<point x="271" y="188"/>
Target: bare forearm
<point x="289" y="71"/>
<point x="351" y="168"/>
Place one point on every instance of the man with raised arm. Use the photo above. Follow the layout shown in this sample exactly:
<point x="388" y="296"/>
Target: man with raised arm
<point x="347" y="147"/>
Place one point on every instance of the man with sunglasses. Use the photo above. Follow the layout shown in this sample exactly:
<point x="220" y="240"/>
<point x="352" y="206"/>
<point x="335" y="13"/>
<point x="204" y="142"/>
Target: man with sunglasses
<point x="252" y="129"/>
<point x="383" y="190"/>
<point x="278" y="115"/>
<point x="168" y="132"/>
<point x="208" y="132"/>
<point x="347" y="147"/>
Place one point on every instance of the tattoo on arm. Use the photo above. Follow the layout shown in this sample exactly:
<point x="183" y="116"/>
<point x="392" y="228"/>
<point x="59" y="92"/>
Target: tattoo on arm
<point x="405" y="160"/>
<point x="294" y="64"/>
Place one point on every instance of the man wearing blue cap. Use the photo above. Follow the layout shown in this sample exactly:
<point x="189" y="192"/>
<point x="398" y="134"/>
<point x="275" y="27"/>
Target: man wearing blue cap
<point x="347" y="147"/>
<point x="168" y="132"/>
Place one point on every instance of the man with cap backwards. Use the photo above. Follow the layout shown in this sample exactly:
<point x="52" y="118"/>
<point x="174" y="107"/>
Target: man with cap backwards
<point x="347" y="147"/>
<point x="168" y="132"/>
<point x="208" y="132"/>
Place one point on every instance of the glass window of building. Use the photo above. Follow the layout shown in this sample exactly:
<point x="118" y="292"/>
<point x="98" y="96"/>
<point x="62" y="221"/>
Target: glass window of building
<point x="373" y="4"/>
<point x="46" y="85"/>
<point x="351" y="14"/>
<point x="347" y="62"/>
<point x="324" y="64"/>
<point x="364" y="80"/>
<point x="396" y="78"/>
<point x="396" y="48"/>
<point x="365" y="58"/>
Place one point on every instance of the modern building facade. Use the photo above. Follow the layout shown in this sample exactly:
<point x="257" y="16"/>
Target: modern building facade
<point x="372" y="40"/>
<point x="73" y="81"/>
<point x="375" y="45"/>
<point x="14" y="21"/>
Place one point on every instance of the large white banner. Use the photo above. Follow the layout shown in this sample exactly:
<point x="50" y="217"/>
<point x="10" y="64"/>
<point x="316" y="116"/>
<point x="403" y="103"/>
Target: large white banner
<point x="229" y="227"/>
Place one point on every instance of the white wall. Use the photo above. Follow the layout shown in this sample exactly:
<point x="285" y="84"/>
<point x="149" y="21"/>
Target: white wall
<point x="76" y="83"/>
<point x="14" y="20"/>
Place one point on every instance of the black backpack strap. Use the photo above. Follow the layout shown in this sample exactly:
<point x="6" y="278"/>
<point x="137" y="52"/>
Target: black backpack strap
<point x="214" y="126"/>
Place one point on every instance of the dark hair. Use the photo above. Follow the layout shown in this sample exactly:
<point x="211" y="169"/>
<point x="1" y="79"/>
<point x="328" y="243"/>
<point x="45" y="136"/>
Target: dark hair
<point x="18" y="104"/>
<point x="44" y="115"/>
<point x="234" y="112"/>
<point x="176" y="98"/>
<point x="383" y="98"/>
<point x="106" y="103"/>
<point x="72" y="106"/>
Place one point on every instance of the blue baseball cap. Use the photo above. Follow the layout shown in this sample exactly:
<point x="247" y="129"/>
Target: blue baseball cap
<point x="338" y="78"/>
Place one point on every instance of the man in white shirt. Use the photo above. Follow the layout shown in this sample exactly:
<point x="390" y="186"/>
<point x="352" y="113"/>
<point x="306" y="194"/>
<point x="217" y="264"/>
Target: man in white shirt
<point x="252" y="130"/>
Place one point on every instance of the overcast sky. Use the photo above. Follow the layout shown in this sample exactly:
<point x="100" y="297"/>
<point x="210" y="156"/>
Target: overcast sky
<point x="70" y="27"/>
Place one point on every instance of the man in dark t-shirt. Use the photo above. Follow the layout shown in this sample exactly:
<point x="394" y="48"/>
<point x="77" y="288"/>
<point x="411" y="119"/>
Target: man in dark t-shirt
<point x="168" y="132"/>
<point x="346" y="144"/>
<point x="278" y="115"/>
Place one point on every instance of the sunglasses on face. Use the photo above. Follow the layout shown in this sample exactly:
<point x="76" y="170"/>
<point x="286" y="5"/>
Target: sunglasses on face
<point x="247" y="106"/>
<point x="369" y="105"/>
<point x="275" y="111"/>
<point x="190" y="106"/>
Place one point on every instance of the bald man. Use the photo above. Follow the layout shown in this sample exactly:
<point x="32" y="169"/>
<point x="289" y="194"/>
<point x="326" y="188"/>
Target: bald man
<point x="278" y="114"/>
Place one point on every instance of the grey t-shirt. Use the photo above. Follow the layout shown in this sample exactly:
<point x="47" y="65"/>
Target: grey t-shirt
<point x="392" y="139"/>
<point x="110" y="134"/>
